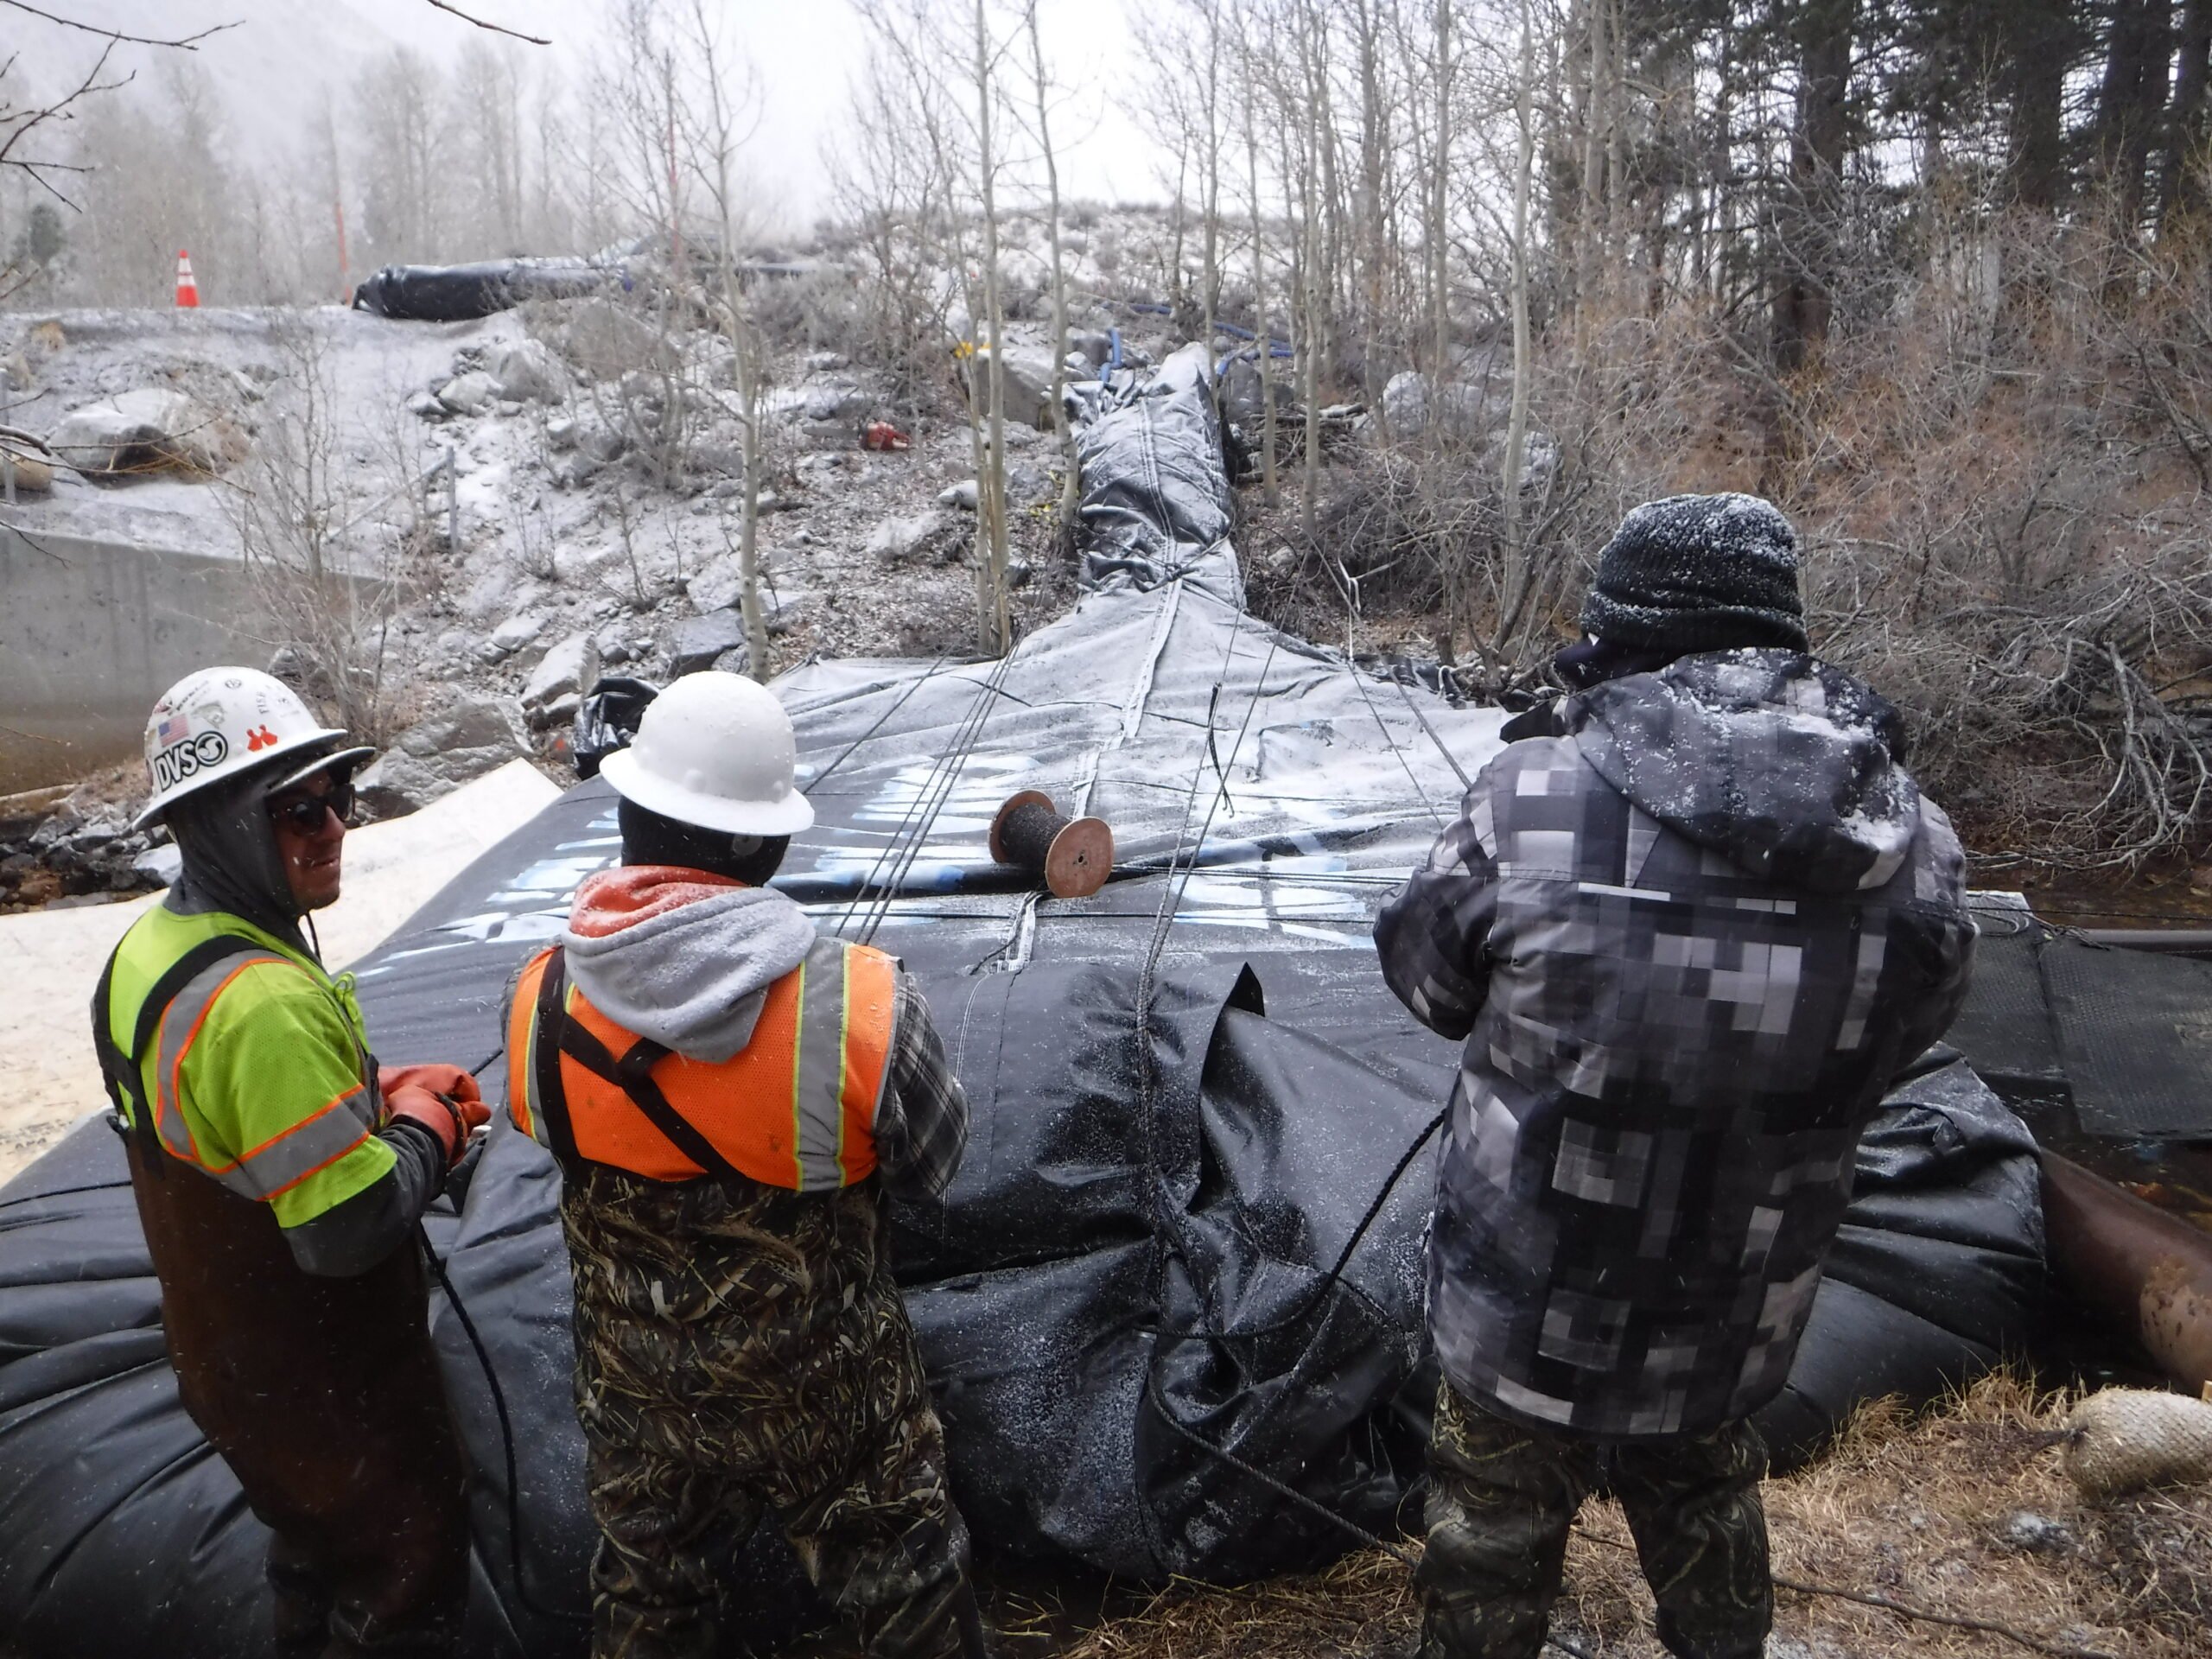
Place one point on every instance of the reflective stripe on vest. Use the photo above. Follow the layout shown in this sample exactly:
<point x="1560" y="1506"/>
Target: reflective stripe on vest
<point x="285" y="1159"/>
<point x="794" y="1107"/>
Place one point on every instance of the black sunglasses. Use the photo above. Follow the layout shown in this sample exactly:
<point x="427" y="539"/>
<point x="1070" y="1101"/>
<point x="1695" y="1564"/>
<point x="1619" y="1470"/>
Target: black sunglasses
<point x="304" y="812"/>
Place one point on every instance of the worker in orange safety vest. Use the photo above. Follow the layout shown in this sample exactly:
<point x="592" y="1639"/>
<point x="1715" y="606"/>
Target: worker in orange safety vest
<point x="729" y="1096"/>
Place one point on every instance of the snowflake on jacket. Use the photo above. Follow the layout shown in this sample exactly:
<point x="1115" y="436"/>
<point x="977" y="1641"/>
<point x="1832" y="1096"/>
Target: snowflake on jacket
<point x="1688" y="941"/>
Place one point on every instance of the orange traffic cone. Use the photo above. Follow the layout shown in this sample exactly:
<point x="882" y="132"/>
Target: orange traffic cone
<point x="187" y="291"/>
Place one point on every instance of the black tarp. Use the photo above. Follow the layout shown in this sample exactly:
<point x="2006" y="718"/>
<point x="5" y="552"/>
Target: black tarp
<point x="454" y="293"/>
<point x="1188" y="1091"/>
<point x="2122" y="1037"/>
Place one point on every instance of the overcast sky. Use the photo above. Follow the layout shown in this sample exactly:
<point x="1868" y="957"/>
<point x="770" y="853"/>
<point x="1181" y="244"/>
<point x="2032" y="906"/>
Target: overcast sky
<point x="286" y="58"/>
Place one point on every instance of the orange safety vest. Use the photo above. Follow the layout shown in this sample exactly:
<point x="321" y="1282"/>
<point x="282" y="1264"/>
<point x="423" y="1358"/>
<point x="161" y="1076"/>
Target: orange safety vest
<point x="794" y="1107"/>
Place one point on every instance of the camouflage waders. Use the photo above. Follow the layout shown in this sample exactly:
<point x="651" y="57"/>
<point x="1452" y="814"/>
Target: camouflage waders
<point x="1501" y="1500"/>
<point x="742" y="1351"/>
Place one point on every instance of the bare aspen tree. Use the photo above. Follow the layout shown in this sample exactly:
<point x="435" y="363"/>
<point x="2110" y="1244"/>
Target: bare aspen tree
<point x="1041" y="86"/>
<point x="1436" y="237"/>
<point x="1437" y="231"/>
<point x="1186" y="55"/>
<point x="1313" y="56"/>
<point x="712" y="137"/>
<point x="1262" y="337"/>
<point x="1373" y="223"/>
<point x="1512" y="590"/>
<point x="994" y="623"/>
<point x="1209" y="175"/>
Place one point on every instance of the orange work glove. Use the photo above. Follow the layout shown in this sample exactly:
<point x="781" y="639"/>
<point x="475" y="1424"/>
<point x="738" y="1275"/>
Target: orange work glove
<point x="443" y="1099"/>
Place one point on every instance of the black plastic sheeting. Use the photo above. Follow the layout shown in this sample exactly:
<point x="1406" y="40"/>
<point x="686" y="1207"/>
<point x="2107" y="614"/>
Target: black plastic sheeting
<point x="2135" y="1036"/>
<point x="2125" y="1036"/>
<point x="1189" y="1092"/>
<point x="2004" y="1028"/>
<point x="455" y="293"/>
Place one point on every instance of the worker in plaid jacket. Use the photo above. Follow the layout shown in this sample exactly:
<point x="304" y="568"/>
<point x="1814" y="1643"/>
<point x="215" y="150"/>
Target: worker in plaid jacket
<point x="1690" y="923"/>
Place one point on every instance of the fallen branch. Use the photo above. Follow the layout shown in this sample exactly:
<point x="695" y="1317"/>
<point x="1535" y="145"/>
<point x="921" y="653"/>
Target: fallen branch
<point x="496" y="28"/>
<point x="1957" y="1620"/>
<point x="185" y="44"/>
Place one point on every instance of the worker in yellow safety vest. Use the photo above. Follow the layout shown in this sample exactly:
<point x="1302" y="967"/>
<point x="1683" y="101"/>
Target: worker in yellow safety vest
<point x="280" y="1173"/>
<point x="729" y="1094"/>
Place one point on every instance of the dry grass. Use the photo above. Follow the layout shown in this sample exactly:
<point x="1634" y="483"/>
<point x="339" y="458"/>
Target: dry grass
<point x="1962" y="1510"/>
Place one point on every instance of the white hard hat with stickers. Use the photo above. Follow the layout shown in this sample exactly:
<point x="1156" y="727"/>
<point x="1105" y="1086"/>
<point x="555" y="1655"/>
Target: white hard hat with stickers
<point x="221" y="721"/>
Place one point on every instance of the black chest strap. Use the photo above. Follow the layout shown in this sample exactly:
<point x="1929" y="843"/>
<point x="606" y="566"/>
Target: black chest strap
<point x="557" y="1033"/>
<point x="124" y="1073"/>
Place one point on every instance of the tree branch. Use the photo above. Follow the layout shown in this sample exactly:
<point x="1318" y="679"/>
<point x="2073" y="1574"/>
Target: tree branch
<point x="186" y="43"/>
<point x="447" y="5"/>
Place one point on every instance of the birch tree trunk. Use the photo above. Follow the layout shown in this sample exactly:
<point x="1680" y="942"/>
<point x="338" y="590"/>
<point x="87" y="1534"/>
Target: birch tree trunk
<point x="992" y="619"/>
<point x="1070" y="484"/>
<point x="1312" y="283"/>
<point x="712" y="146"/>
<point x="1512" y="591"/>
<point x="1264" y="343"/>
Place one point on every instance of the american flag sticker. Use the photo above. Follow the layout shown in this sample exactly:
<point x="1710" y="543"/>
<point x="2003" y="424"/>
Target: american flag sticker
<point x="172" y="728"/>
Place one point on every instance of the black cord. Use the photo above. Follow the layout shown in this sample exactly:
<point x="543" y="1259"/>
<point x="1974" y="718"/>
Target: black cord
<point x="816" y="781"/>
<point x="1160" y="1405"/>
<point x="1335" y="1275"/>
<point x="63" y="1192"/>
<point x="506" y="1436"/>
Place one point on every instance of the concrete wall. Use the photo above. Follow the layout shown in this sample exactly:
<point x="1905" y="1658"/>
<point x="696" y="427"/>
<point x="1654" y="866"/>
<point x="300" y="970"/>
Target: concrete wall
<point x="91" y="631"/>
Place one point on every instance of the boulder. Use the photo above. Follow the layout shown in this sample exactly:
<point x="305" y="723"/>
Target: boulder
<point x="1407" y="401"/>
<point x="145" y="431"/>
<point x="716" y="586"/>
<point x="1028" y="486"/>
<point x="512" y="635"/>
<point x="468" y="394"/>
<point x="470" y="734"/>
<point x="1094" y="345"/>
<point x="902" y="535"/>
<point x="835" y="471"/>
<point x="719" y="585"/>
<point x="32" y="466"/>
<point x="787" y="608"/>
<point x="566" y="670"/>
<point x="528" y="371"/>
<point x="1241" y="402"/>
<point x="696" y="642"/>
<point x="836" y="402"/>
<point x="1029" y="384"/>
<point x="605" y="340"/>
<point x="963" y="495"/>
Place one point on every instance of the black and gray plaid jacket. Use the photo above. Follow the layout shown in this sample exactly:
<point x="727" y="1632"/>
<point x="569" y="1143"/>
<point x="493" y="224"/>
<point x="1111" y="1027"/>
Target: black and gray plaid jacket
<point x="1688" y="942"/>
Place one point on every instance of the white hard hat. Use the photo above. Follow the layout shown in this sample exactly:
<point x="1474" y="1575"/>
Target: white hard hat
<point x="715" y="750"/>
<point x="221" y="721"/>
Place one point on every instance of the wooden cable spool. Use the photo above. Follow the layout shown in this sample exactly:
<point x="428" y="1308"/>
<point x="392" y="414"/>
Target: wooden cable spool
<point x="1073" y="856"/>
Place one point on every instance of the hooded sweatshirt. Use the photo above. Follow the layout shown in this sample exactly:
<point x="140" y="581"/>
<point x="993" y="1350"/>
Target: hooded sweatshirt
<point x="1688" y="944"/>
<point x="683" y="957"/>
<point x="686" y="957"/>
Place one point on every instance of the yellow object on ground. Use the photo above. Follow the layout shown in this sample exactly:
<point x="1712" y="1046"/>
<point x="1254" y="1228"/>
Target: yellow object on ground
<point x="51" y="959"/>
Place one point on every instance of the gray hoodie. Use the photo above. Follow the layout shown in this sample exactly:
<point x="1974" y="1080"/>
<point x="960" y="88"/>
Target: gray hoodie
<point x="691" y="974"/>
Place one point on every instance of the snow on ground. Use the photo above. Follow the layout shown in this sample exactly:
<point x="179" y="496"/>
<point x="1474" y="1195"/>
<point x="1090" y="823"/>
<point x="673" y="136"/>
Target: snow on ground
<point x="495" y="534"/>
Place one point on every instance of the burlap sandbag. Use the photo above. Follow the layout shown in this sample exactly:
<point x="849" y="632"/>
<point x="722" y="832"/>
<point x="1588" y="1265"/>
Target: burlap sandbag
<point x="2120" y="1440"/>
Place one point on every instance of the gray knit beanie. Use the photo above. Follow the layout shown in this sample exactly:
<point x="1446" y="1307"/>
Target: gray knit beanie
<point x="1696" y="573"/>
